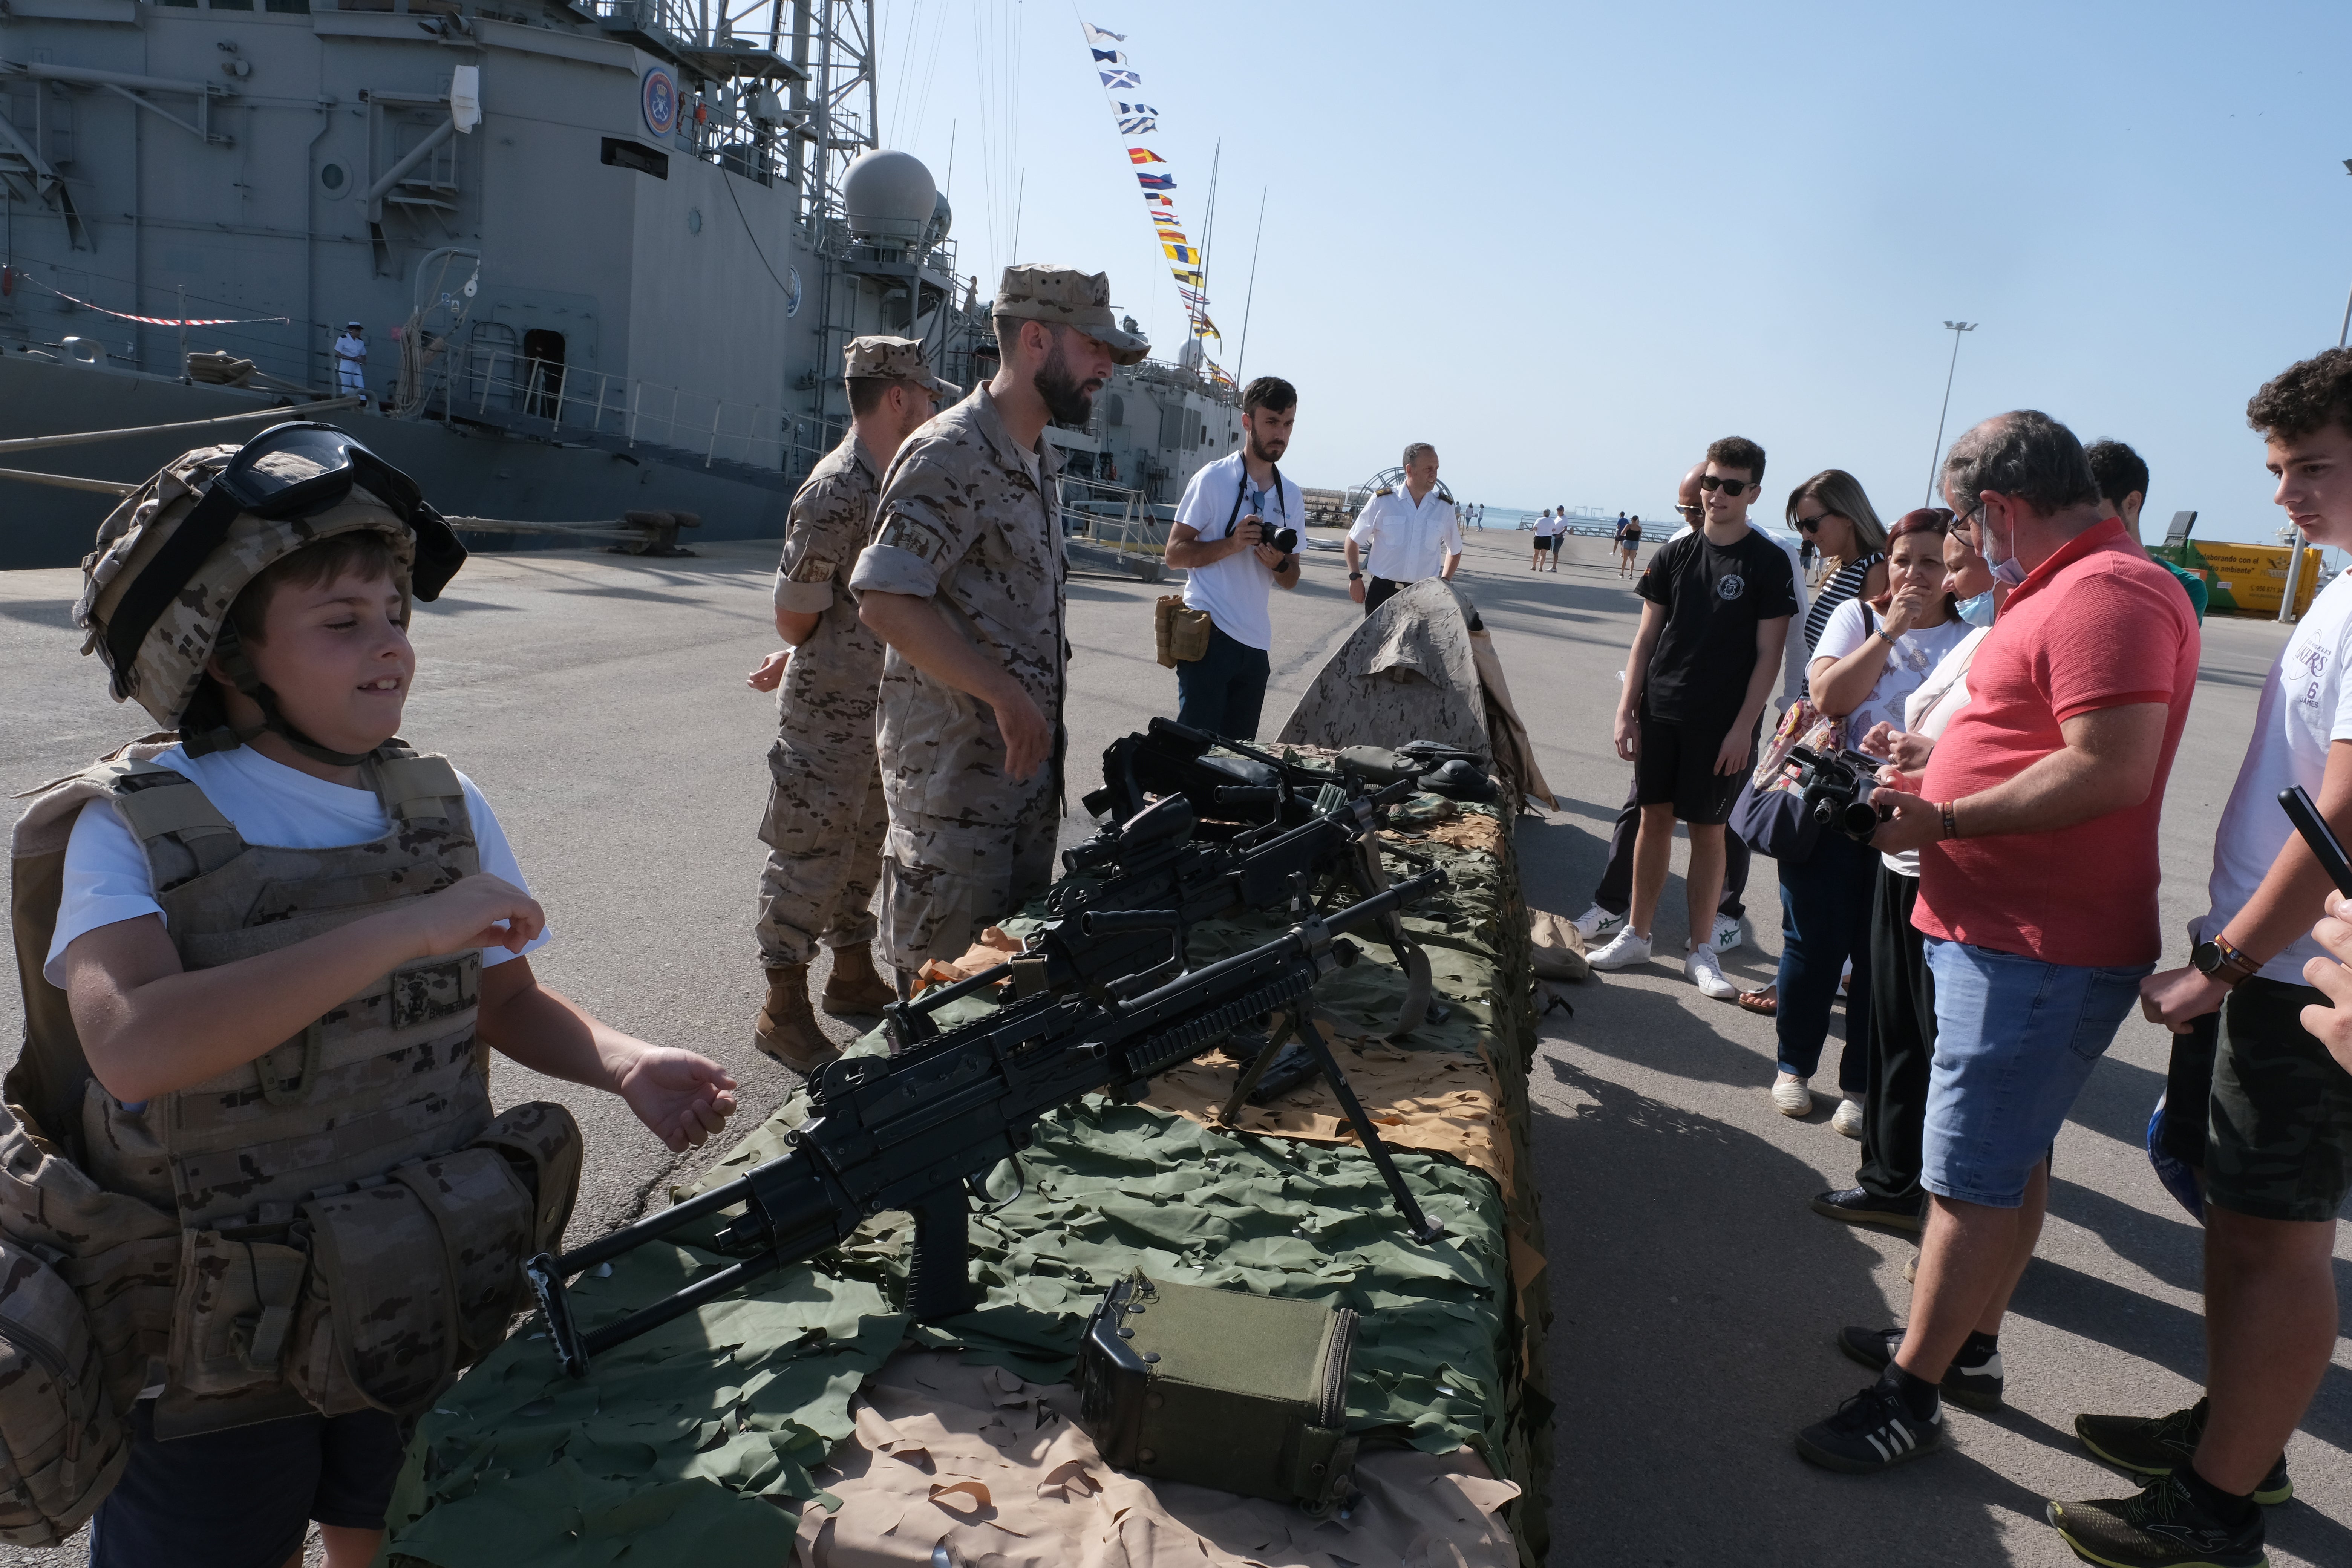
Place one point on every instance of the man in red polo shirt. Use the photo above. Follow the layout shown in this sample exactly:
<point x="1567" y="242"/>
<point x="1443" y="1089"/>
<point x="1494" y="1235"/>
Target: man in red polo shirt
<point x="2036" y="828"/>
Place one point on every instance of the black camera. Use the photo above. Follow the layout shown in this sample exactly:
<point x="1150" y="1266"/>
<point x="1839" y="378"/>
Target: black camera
<point x="1285" y="540"/>
<point x="1837" y="790"/>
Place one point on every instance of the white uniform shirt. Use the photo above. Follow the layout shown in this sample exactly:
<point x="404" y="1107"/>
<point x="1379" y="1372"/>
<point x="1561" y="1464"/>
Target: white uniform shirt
<point x="1234" y="591"/>
<point x="1404" y="543"/>
<point x="2305" y="707"/>
<point x="352" y="350"/>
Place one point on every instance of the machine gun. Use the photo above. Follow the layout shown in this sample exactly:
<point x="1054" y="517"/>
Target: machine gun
<point x="914" y="1132"/>
<point x="1248" y="786"/>
<point x="1097" y="932"/>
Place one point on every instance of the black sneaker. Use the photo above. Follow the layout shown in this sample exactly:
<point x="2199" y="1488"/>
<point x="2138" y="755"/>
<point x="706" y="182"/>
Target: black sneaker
<point x="1872" y="1431"/>
<point x="2159" y="1445"/>
<point x="2163" y="1527"/>
<point x="1978" y="1386"/>
<point x="1856" y="1206"/>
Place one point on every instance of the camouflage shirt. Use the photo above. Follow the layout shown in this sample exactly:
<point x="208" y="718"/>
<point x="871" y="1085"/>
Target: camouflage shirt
<point x="827" y="698"/>
<point x="961" y="523"/>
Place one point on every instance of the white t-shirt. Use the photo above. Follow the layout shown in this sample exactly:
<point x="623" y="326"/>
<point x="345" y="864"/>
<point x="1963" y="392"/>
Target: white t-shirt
<point x="1406" y="542"/>
<point x="1914" y="655"/>
<point x="1234" y="591"/>
<point x="1933" y="704"/>
<point x="106" y="879"/>
<point x="1545" y="526"/>
<point x="2305" y="707"/>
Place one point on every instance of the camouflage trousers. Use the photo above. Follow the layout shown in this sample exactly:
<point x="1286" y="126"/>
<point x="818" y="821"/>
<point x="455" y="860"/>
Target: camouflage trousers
<point x="823" y="833"/>
<point x="944" y="882"/>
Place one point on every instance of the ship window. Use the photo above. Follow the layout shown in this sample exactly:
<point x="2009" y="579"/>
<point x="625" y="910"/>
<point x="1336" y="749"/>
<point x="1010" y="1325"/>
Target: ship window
<point x="333" y="176"/>
<point x="625" y="154"/>
<point x="1117" y="409"/>
<point x="231" y="5"/>
<point x="299" y="7"/>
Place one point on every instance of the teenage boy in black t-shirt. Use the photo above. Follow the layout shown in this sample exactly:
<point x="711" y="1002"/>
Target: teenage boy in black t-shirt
<point x="1715" y="612"/>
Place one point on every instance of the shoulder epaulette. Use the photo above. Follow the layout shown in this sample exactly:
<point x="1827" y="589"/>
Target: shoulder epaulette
<point x="1384" y="490"/>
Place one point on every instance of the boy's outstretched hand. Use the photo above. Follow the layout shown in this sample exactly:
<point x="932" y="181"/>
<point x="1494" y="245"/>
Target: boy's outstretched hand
<point x="681" y="1097"/>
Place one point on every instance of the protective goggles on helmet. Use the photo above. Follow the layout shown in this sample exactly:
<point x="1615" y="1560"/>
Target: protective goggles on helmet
<point x="287" y="472"/>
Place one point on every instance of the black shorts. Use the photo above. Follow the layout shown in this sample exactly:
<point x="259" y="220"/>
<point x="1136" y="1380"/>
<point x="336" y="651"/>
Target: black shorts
<point x="245" y="1498"/>
<point x="2279" y="1141"/>
<point x="2189" y="1090"/>
<point x="1676" y="764"/>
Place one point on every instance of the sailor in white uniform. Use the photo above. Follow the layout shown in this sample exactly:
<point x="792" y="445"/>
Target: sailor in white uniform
<point x="350" y="361"/>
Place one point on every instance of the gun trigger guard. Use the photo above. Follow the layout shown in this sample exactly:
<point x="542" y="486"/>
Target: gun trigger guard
<point x="978" y="1187"/>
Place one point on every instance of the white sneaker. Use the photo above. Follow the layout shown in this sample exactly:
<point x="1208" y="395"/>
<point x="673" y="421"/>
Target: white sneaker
<point x="1597" y="921"/>
<point x="1729" y="932"/>
<point x="1629" y="948"/>
<point x="1848" y="1118"/>
<point x="1791" y="1096"/>
<point x="1706" y="972"/>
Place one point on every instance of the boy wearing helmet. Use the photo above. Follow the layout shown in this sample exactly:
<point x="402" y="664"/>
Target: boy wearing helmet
<point x="251" y="1126"/>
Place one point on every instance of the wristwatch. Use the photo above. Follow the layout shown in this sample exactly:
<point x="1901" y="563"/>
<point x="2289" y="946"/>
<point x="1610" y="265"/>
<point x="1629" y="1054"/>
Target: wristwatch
<point x="2217" y="959"/>
<point x="1355" y="576"/>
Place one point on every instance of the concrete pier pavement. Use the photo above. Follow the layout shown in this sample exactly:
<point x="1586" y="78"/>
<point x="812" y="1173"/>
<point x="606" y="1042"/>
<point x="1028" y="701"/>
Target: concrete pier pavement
<point x="599" y="701"/>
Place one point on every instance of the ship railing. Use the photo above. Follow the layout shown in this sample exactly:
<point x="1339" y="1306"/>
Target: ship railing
<point x="1112" y="516"/>
<point x="515" y="390"/>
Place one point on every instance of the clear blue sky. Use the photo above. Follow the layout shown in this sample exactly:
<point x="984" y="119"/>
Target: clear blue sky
<point x="1571" y="242"/>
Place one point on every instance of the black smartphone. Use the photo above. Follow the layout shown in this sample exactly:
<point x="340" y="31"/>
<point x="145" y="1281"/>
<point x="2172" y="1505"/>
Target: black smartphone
<point x="2325" y="846"/>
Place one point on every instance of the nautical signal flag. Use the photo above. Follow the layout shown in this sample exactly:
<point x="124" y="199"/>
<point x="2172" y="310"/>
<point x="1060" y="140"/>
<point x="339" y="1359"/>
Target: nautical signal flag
<point x="1143" y="155"/>
<point x="1183" y="253"/>
<point x="1110" y="56"/>
<point x="1137" y="119"/>
<point x="1157" y="181"/>
<point x="1124" y="82"/>
<point x="1096" y="36"/>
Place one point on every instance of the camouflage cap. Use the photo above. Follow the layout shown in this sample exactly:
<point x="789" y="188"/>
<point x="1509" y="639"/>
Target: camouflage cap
<point x="894" y="359"/>
<point x="1065" y="297"/>
<point x="171" y="660"/>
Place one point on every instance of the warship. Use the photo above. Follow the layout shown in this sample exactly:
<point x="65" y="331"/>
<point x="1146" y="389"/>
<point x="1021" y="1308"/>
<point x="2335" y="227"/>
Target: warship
<point x="604" y="256"/>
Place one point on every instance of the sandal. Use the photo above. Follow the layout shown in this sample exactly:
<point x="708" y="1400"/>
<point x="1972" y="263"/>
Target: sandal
<point x="1767" y="1001"/>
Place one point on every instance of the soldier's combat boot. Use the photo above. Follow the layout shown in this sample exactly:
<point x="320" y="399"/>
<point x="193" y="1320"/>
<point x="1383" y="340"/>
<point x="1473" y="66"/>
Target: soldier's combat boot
<point x="787" y="1030"/>
<point x="853" y="987"/>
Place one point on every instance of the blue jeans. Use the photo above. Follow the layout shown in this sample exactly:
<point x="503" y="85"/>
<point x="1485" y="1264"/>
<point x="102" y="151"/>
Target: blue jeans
<point x="2016" y="1039"/>
<point x="1825" y="904"/>
<point x="1222" y="691"/>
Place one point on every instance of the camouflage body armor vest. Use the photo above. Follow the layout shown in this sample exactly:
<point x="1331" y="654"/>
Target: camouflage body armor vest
<point x="335" y="1225"/>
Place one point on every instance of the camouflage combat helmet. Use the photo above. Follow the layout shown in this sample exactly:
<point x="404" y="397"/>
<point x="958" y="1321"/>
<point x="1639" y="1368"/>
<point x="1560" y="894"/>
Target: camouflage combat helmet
<point x="173" y="556"/>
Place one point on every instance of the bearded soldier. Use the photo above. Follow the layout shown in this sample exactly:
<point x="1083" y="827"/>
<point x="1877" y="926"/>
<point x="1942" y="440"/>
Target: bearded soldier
<point x="964" y="582"/>
<point x="825" y="821"/>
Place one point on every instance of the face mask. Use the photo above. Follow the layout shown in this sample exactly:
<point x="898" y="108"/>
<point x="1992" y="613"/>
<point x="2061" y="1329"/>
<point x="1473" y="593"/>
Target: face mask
<point x="2005" y="568"/>
<point x="1978" y="612"/>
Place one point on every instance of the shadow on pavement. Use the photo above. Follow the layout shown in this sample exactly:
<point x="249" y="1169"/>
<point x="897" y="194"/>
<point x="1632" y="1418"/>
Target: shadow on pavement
<point x="1688" y="1348"/>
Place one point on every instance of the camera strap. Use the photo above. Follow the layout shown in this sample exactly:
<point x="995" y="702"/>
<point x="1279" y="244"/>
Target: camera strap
<point x="1240" y="493"/>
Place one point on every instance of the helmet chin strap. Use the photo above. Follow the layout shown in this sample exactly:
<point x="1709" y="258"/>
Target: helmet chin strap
<point x="229" y="648"/>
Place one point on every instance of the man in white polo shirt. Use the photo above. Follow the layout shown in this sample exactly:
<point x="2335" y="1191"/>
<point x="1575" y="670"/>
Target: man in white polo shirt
<point x="1224" y="541"/>
<point x="1405" y="534"/>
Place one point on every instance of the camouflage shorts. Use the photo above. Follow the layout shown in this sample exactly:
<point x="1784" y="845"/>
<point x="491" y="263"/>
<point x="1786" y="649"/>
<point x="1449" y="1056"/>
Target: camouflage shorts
<point x="2279" y="1142"/>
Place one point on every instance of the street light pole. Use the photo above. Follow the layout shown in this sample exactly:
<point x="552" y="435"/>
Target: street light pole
<point x="1935" y="456"/>
<point x="2345" y="332"/>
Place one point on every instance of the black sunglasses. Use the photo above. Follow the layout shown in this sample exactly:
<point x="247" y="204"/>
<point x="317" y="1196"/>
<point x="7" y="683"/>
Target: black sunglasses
<point x="1812" y="524"/>
<point x="288" y="470"/>
<point x="1728" y="487"/>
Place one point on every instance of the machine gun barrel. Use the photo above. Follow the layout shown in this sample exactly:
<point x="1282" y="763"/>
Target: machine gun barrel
<point x="911" y="1132"/>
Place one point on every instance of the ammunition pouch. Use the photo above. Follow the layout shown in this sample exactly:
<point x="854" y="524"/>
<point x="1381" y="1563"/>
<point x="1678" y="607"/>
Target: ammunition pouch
<point x="1179" y="636"/>
<point x="1220" y="1388"/>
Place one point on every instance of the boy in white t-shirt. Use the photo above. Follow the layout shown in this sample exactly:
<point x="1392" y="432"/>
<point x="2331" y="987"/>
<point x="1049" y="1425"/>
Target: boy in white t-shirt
<point x="323" y="953"/>
<point x="2253" y="1100"/>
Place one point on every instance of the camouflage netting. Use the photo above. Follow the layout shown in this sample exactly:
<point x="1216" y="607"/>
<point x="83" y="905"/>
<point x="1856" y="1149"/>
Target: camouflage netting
<point x="701" y="1440"/>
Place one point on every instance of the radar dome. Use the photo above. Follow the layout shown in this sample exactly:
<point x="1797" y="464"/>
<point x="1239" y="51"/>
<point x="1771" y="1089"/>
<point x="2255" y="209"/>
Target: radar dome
<point x="888" y="195"/>
<point x="942" y="219"/>
<point x="1190" y="357"/>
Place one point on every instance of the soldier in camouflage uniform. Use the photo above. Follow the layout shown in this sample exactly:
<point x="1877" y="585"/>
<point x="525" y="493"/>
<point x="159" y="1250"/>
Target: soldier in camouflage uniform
<point x="825" y="817"/>
<point x="964" y="581"/>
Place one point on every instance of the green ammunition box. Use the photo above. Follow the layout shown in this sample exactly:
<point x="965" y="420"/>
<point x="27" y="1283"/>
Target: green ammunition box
<point x="1220" y="1388"/>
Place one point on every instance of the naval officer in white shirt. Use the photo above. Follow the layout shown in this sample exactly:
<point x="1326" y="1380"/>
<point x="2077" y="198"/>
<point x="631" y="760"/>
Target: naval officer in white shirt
<point x="1403" y="534"/>
<point x="1223" y="540"/>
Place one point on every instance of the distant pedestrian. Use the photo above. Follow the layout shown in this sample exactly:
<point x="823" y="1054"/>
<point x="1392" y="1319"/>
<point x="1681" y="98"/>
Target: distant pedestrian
<point x="1543" y="539"/>
<point x="351" y="362"/>
<point x="1559" y="532"/>
<point x="1482" y="516"/>
<point x="1404" y="535"/>
<point x="1629" y="545"/>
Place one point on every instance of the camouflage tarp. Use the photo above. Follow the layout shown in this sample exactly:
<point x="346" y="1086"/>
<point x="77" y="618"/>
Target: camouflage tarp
<point x="700" y="1438"/>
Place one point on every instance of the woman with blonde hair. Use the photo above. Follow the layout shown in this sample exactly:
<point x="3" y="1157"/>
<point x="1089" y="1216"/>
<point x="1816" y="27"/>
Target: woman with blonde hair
<point x="1830" y="511"/>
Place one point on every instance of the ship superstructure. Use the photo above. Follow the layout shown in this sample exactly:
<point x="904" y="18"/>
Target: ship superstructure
<point x="604" y="255"/>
